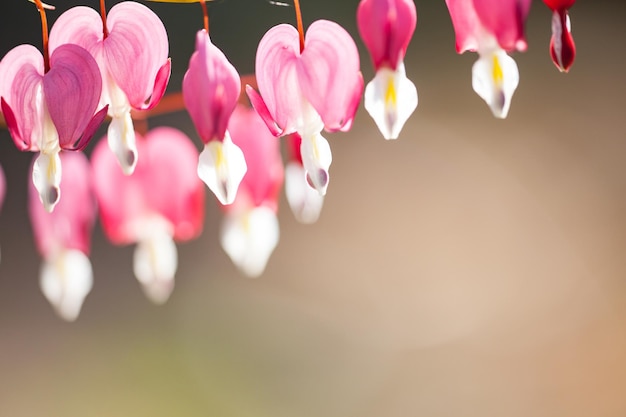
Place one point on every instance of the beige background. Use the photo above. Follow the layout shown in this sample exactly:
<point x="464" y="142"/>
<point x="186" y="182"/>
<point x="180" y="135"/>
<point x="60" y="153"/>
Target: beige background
<point x="474" y="267"/>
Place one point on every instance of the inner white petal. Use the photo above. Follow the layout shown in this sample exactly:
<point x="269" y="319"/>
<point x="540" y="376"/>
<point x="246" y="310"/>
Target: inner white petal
<point x="305" y="202"/>
<point x="222" y="166"/>
<point x="65" y="280"/>
<point x="122" y="141"/>
<point x="47" y="178"/>
<point x="316" y="158"/>
<point x="494" y="78"/>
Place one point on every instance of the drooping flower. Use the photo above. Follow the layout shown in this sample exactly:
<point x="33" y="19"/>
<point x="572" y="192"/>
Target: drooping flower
<point x="562" y="47"/>
<point x="47" y="110"/>
<point x="306" y="84"/>
<point x="250" y="229"/>
<point x="160" y="203"/>
<point x="492" y="28"/>
<point x="305" y="202"/>
<point x="211" y="88"/>
<point x="63" y="237"/>
<point x="386" y="27"/>
<point x="132" y="52"/>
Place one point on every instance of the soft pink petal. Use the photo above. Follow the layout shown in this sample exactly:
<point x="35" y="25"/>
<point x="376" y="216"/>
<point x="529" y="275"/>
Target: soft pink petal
<point x="264" y="177"/>
<point x="72" y="90"/>
<point x="160" y="85"/>
<point x="505" y="20"/>
<point x="90" y="130"/>
<point x="69" y="225"/>
<point x="164" y="184"/>
<point x="80" y="25"/>
<point x="21" y="78"/>
<point x="386" y="27"/>
<point x="277" y="77"/>
<point x="329" y="74"/>
<point x="259" y="105"/>
<point x="211" y="88"/>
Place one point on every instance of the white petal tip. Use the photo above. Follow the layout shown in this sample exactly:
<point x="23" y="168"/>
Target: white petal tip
<point x="495" y="77"/>
<point x="222" y="166"/>
<point x="305" y="202"/>
<point x="316" y="158"/>
<point x="47" y="179"/>
<point x="65" y="281"/>
<point x="123" y="142"/>
<point x="154" y="263"/>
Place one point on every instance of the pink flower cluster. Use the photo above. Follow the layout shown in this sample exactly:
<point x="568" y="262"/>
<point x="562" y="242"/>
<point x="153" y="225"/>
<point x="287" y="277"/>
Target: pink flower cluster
<point x="148" y="187"/>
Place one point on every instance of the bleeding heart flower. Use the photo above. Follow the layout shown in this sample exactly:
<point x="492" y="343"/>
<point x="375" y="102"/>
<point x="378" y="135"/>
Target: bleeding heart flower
<point x="306" y="88"/>
<point x="162" y="202"/>
<point x="491" y="28"/>
<point x="250" y="230"/>
<point x="305" y="202"/>
<point x="49" y="111"/>
<point x="211" y="88"/>
<point x="386" y="27"/>
<point x="132" y="52"/>
<point x="63" y="237"/>
<point x="562" y="47"/>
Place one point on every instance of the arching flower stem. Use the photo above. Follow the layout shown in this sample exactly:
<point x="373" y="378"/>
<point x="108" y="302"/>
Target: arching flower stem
<point x="44" y="34"/>
<point x="103" y="14"/>
<point x="205" y="13"/>
<point x="296" y="3"/>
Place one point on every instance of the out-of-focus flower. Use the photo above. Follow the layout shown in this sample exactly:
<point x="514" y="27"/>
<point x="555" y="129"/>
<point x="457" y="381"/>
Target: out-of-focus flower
<point x="211" y="88"/>
<point x="386" y="27"/>
<point x="305" y="202"/>
<point x="562" y="47"/>
<point x="492" y="28"/>
<point x="47" y="111"/>
<point x="309" y="87"/>
<point x="161" y="202"/>
<point x="132" y="53"/>
<point x="250" y="230"/>
<point x="63" y="237"/>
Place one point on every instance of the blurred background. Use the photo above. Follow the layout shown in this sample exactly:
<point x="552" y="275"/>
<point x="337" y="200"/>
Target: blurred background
<point x="473" y="267"/>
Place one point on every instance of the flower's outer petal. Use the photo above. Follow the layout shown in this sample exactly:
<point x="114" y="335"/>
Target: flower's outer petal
<point x="136" y="50"/>
<point x="264" y="175"/>
<point x="222" y="166"/>
<point x="155" y="262"/>
<point x="277" y="77"/>
<point x="65" y="279"/>
<point x="562" y="47"/>
<point x="21" y="78"/>
<point x="261" y="108"/>
<point x="559" y="4"/>
<point x="165" y="184"/>
<point x="305" y="202"/>
<point x="316" y="159"/>
<point x="160" y="85"/>
<point x="80" y="25"/>
<point x="386" y="27"/>
<point x="467" y="25"/>
<point x="211" y="88"/>
<point x="390" y="98"/>
<point x="121" y="139"/>
<point x="249" y="237"/>
<point x="505" y="20"/>
<point x="90" y="130"/>
<point x="329" y="75"/>
<point x="72" y="90"/>
<point x="70" y="225"/>
<point x="495" y="78"/>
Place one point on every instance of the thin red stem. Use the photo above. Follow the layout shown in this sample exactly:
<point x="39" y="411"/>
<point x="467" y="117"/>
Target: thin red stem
<point x="44" y="35"/>
<point x="296" y="3"/>
<point x="205" y="12"/>
<point x="103" y="15"/>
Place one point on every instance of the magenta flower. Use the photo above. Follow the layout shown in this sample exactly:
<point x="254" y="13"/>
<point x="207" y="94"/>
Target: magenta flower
<point x="305" y="202"/>
<point x="562" y="47"/>
<point x="491" y="28"/>
<point x="211" y="88"/>
<point x="132" y="52"/>
<point x="386" y="27"/>
<point x="162" y="202"/>
<point x="63" y="237"/>
<point x="250" y="230"/>
<point x="47" y="111"/>
<point x="309" y="87"/>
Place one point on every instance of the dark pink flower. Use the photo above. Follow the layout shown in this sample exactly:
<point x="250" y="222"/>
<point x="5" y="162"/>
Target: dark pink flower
<point x="211" y="88"/>
<point x="306" y="91"/>
<point x="562" y="47"/>
<point x="63" y="237"/>
<point x="250" y="230"/>
<point x="49" y="111"/>
<point x="133" y="59"/>
<point x="161" y="202"/>
<point x="386" y="27"/>
<point x="492" y="28"/>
